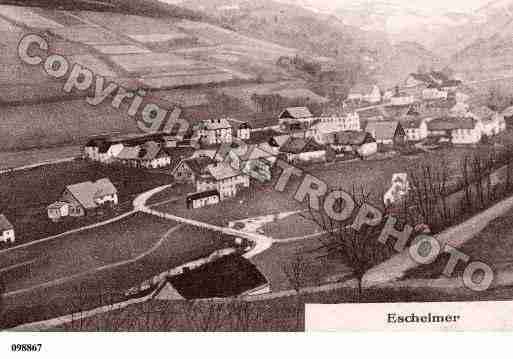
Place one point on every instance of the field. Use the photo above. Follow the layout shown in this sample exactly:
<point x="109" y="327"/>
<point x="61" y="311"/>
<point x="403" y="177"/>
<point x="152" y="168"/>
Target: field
<point x="315" y="270"/>
<point x="27" y="17"/>
<point x="493" y="246"/>
<point x="29" y="192"/>
<point x="102" y="285"/>
<point x="82" y="251"/>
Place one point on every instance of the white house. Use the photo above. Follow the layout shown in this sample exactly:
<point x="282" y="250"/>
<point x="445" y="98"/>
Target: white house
<point x="358" y="142"/>
<point x="83" y="199"/>
<point x="223" y="178"/>
<point x="6" y="230"/>
<point x="202" y="199"/>
<point x="493" y="122"/>
<point x="365" y="92"/>
<point x="293" y="115"/>
<point x="399" y="188"/>
<point x="58" y="210"/>
<point x="460" y="130"/>
<point x="216" y="131"/>
<point x="402" y="100"/>
<point x="415" y="129"/>
<point x="432" y="93"/>
<point x="305" y="150"/>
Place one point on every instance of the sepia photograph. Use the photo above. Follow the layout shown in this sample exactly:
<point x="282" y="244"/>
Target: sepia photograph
<point x="255" y="166"/>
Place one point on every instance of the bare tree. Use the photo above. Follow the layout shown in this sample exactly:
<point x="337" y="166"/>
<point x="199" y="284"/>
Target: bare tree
<point x="295" y="271"/>
<point x="358" y="249"/>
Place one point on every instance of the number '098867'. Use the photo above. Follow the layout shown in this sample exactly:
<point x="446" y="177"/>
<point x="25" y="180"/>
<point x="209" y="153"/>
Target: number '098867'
<point x="26" y="347"/>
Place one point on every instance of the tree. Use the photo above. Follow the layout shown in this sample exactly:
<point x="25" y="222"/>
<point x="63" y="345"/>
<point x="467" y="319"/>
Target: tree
<point x="358" y="249"/>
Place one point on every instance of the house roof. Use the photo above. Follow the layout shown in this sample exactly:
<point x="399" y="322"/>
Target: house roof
<point x="257" y="151"/>
<point x="352" y="138"/>
<point x="217" y="124"/>
<point x="382" y="130"/>
<point x="296" y="113"/>
<point x="296" y="145"/>
<point x="86" y="192"/>
<point x="5" y="224"/>
<point x="412" y="123"/>
<point x="129" y="153"/>
<point x="482" y="112"/>
<point x="150" y="150"/>
<point x="204" y="194"/>
<point x="508" y="112"/>
<point x="199" y="164"/>
<point x="221" y="170"/>
<point x="451" y="123"/>
<point x="227" y="276"/>
<point x="261" y="136"/>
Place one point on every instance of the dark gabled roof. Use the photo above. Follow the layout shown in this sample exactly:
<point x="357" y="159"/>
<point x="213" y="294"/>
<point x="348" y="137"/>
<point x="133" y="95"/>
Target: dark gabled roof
<point x="204" y="194"/>
<point x="296" y="113"/>
<point x="508" y="112"/>
<point x="383" y="130"/>
<point x="354" y="138"/>
<point x="227" y="276"/>
<point x="262" y="136"/>
<point x="451" y="123"/>
<point x="296" y="145"/>
<point x="199" y="164"/>
<point x="411" y="123"/>
<point x="5" y="225"/>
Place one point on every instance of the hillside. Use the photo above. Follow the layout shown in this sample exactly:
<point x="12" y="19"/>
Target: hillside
<point x="405" y="58"/>
<point x="181" y="61"/>
<point x="489" y="49"/>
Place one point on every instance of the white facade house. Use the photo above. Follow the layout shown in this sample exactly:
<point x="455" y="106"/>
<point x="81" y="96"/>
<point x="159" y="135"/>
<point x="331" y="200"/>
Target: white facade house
<point x="6" y="230"/>
<point x="434" y="94"/>
<point x="365" y="92"/>
<point x="294" y="115"/>
<point x="493" y="122"/>
<point x="216" y="131"/>
<point x="357" y="142"/>
<point x="460" y="130"/>
<point x="402" y="100"/>
<point x="415" y="129"/>
<point x="202" y="199"/>
<point x="223" y="178"/>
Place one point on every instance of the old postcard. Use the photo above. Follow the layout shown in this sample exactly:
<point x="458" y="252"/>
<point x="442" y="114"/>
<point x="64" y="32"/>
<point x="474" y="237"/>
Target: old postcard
<point x="255" y="165"/>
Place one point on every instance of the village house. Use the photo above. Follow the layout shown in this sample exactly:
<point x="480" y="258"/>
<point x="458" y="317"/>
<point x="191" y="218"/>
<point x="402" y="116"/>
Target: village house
<point x="433" y="93"/>
<point x="254" y="160"/>
<point x="343" y="120"/>
<point x="303" y="150"/>
<point x="458" y="130"/>
<point x="190" y="169"/>
<point x="365" y="93"/>
<point x="402" y="99"/>
<point x="242" y="131"/>
<point x="300" y="116"/>
<point x="415" y="129"/>
<point x="357" y="142"/>
<point x="202" y="199"/>
<point x="223" y="178"/>
<point x="83" y="199"/>
<point x="269" y="136"/>
<point x="387" y="132"/>
<point x="216" y="131"/>
<point x="508" y="114"/>
<point x="6" y="230"/>
<point x="493" y="123"/>
<point x="149" y="155"/>
<point x="416" y="83"/>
